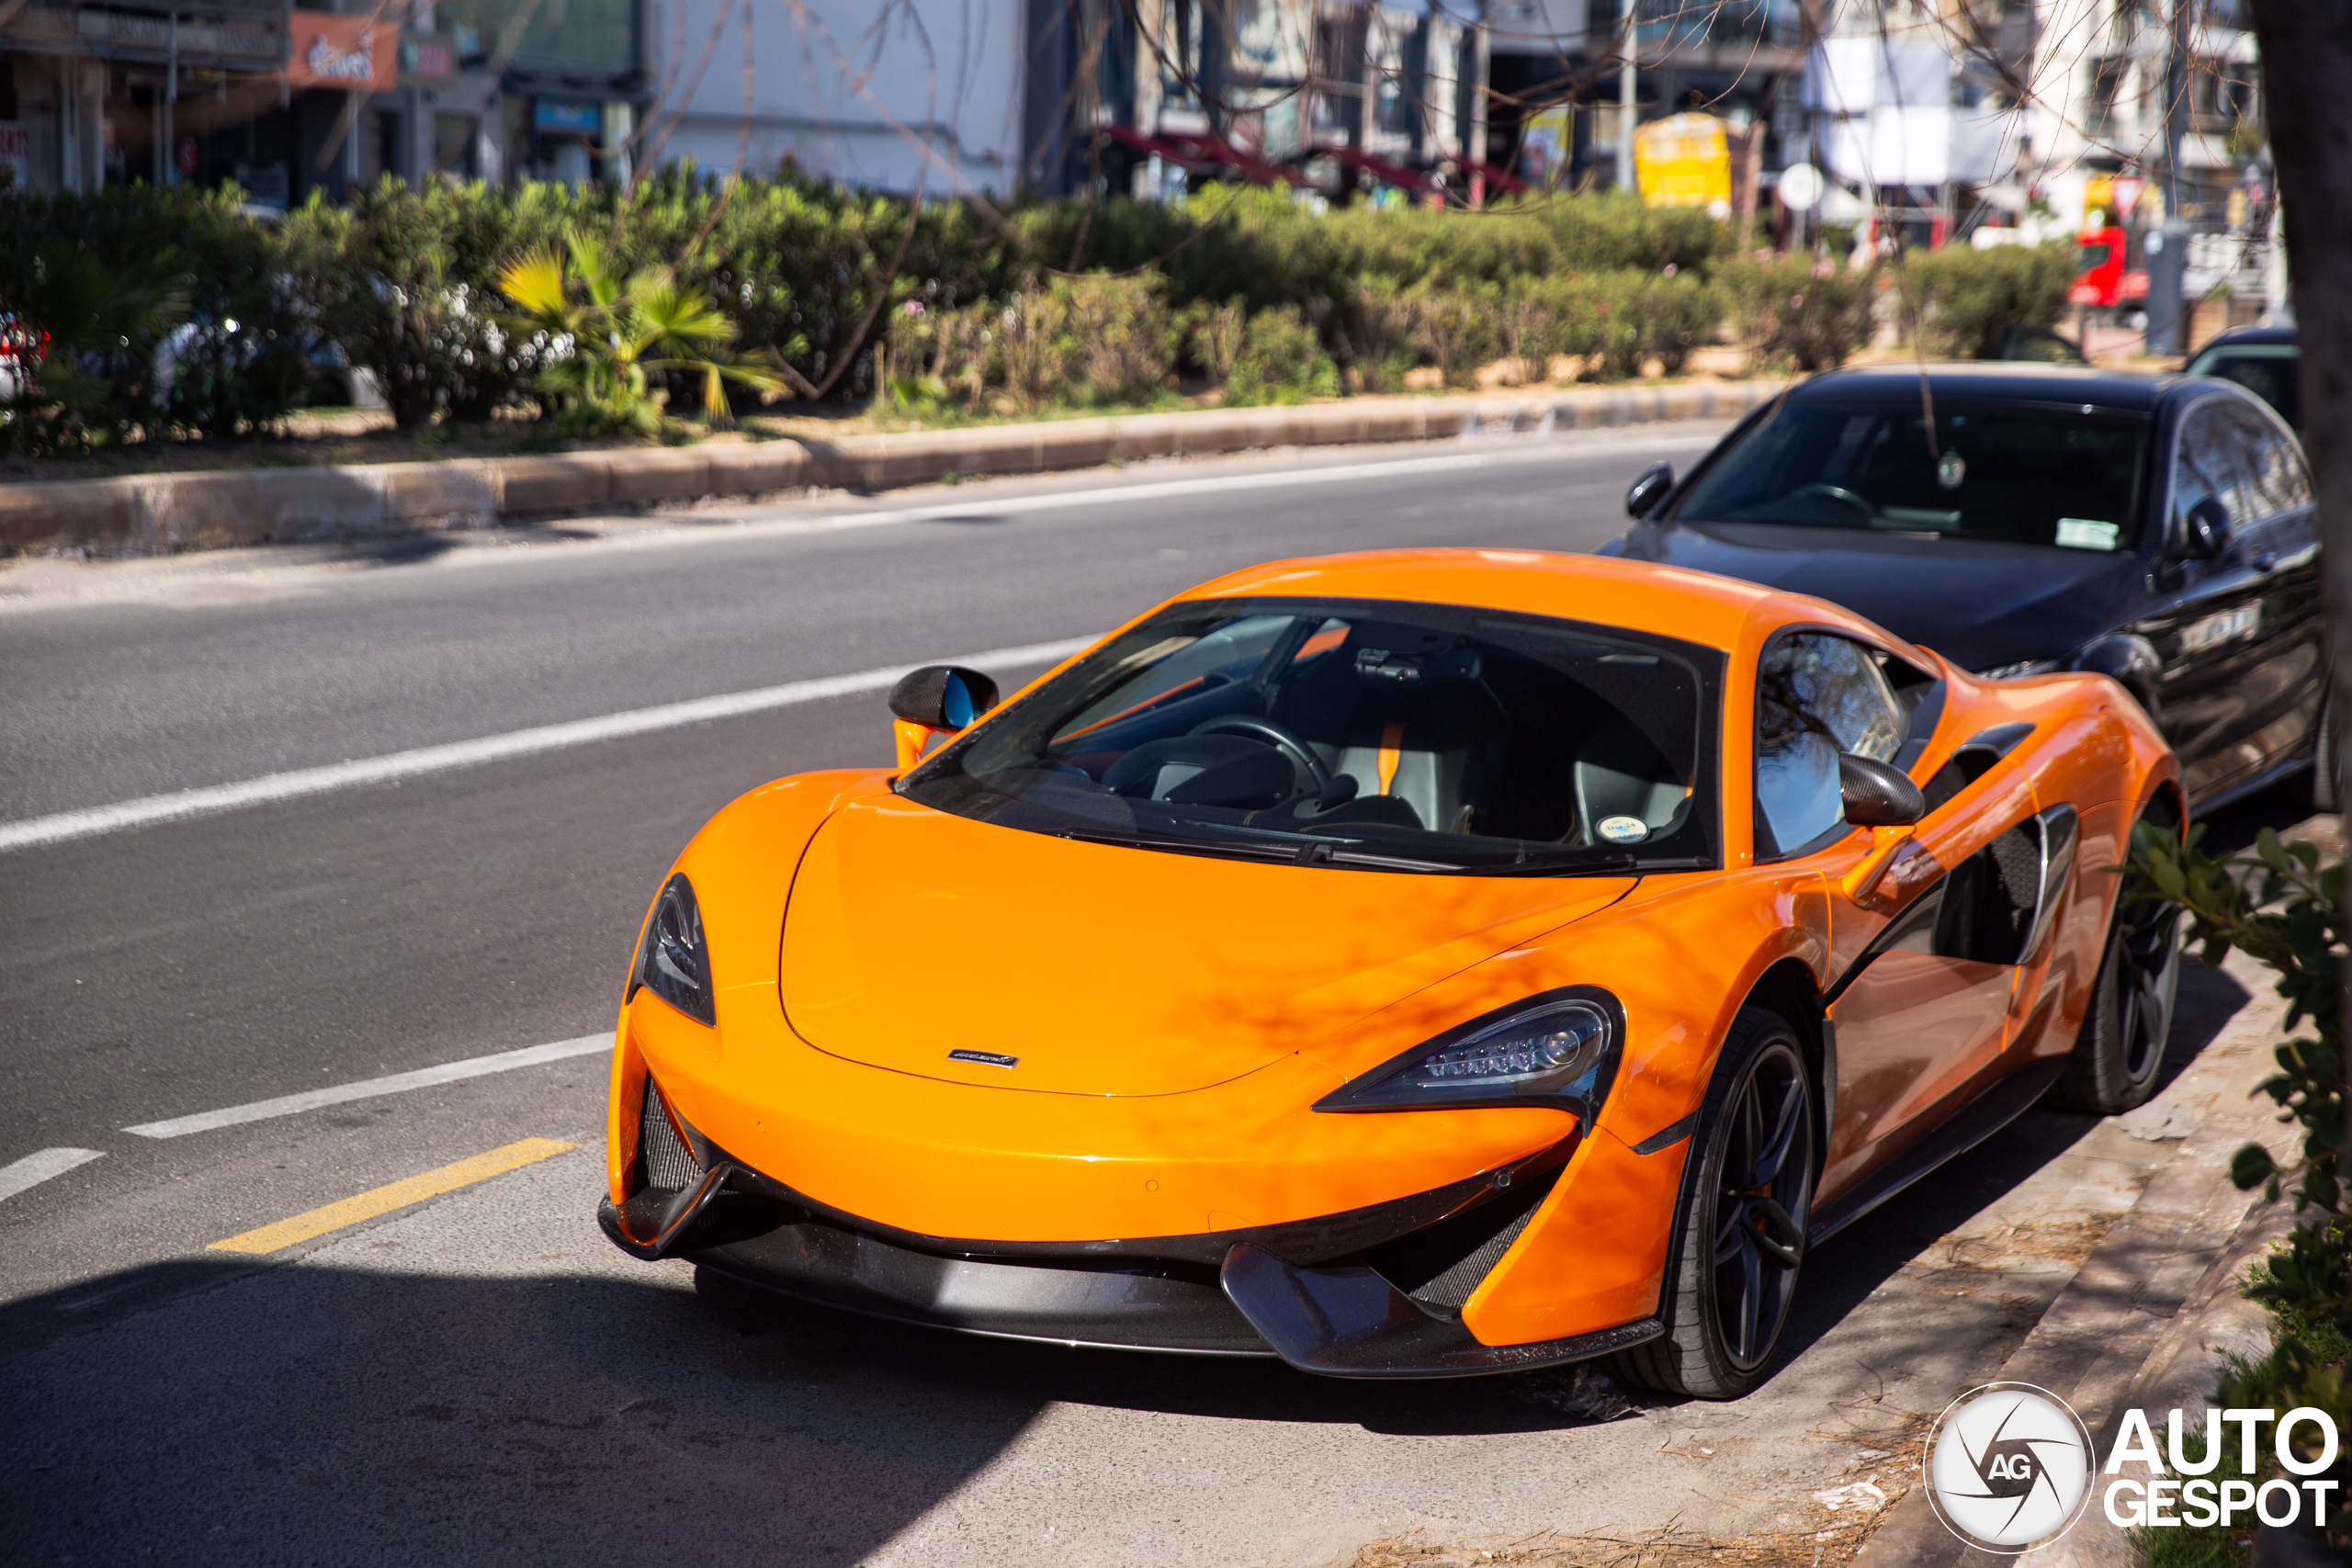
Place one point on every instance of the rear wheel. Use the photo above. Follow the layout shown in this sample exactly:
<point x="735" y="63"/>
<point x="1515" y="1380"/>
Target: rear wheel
<point x="1739" y="1247"/>
<point x="2121" y="1047"/>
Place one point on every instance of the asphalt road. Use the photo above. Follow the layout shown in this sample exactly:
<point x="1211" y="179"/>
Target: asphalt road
<point x="481" y="1376"/>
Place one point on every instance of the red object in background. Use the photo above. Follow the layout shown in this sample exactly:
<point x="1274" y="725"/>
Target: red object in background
<point x="187" y="156"/>
<point x="2098" y="269"/>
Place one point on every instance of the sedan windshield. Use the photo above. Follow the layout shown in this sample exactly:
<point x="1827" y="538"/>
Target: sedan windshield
<point x="1383" y="735"/>
<point x="2021" y="473"/>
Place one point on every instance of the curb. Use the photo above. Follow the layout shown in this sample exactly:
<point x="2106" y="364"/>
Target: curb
<point x="150" y="514"/>
<point x="2146" y="1318"/>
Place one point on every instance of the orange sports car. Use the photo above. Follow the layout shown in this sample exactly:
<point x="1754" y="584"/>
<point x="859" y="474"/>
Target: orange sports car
<point x="1407" y="964"/>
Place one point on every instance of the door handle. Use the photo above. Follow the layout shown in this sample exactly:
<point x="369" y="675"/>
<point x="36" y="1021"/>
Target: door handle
<point x="2265" y="559"/>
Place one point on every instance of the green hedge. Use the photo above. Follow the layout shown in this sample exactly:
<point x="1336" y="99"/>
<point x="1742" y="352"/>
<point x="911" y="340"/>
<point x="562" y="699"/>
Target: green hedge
<point x="1241" y="285"/>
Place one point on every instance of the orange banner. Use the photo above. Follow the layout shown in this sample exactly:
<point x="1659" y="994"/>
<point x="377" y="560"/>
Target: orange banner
<point x="360" y="54"/>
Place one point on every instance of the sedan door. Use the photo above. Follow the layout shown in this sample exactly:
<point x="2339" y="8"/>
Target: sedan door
<point x="2207" y="624"/>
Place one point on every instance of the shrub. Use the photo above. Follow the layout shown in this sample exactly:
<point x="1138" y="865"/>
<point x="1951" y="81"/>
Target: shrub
<point x="1959" y="299"/>
<point x="1797" y="311"/>
<point x="1122" y="339"/>
<point x="1281" y="361"/>
<point x="1454" y="329"/>
<point x="1213" y="336"/>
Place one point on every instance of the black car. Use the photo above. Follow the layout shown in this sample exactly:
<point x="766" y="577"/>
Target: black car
<point x="2261" y="359"/>
<point x="2021" y="518"/>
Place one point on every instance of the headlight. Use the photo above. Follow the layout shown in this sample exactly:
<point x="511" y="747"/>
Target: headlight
<point x="1558" y="1049"/>
<point x="671" y="961"/>
<point x="2022" y="667"/>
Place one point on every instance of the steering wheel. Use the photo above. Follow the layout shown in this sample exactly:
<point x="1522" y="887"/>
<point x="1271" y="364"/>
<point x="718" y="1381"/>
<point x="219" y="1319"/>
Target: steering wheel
<point x="1839" y="493"/>
<point x="1301" y="756"/>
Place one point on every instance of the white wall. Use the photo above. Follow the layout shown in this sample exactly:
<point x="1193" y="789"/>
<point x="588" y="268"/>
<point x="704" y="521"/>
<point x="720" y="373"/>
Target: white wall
<point x="885" y="94"/>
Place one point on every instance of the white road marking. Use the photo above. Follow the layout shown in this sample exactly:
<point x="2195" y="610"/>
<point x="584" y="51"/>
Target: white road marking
<point x="60" y="826"/>
<point x="34" y="1169"/>
<point x="367" y="1089"/>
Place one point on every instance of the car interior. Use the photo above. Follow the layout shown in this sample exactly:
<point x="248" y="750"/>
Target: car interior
<point x="1500" y="727"/>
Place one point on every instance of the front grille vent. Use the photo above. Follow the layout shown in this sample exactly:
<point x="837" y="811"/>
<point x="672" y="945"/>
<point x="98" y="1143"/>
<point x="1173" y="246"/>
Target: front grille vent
<point x="662" y="1158"/>
<point x="1440" y="1265"/>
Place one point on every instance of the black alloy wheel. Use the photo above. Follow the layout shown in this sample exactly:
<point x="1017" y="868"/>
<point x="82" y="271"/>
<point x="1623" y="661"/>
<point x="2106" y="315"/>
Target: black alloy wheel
<point x="1763" y="1197"/>
<point x="1739" y="1235"/>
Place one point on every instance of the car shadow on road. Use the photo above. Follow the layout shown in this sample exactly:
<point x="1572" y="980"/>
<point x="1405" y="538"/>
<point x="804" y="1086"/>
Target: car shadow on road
<point x="317" y="1413"/>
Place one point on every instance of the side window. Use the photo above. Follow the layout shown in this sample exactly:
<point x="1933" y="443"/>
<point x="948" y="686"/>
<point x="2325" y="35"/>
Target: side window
<point x="2204" y="465"/>
<point x="2273" y="466"/>
<point x="1816" y="696"/>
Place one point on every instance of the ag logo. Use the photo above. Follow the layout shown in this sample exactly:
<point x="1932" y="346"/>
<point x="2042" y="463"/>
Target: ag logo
<point x="2009" y="1467"/>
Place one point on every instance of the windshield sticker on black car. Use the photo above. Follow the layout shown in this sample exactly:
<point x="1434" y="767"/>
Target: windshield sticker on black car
<point x="1951" y="469"/>
<point x="2086" y="534"/>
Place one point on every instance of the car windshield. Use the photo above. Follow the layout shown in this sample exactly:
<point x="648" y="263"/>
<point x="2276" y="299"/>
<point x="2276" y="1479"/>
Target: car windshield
<point x="1377" y="735"/>
<point x="2021" y="473"/>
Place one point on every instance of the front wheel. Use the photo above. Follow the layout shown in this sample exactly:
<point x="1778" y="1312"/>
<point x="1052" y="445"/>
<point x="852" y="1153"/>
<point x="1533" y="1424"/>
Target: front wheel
<point x="1740" y="1236"/>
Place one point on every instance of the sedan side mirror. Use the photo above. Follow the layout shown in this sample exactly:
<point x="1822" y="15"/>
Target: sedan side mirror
<point x="1876" y="795"/>
<point x="938" y="699"/>
<point x="2205" y="531"/>
<point x="1649" y="490"/>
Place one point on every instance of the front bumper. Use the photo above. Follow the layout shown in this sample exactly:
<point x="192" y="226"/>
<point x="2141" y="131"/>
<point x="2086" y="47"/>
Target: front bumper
<point x="1371" y="1293"/>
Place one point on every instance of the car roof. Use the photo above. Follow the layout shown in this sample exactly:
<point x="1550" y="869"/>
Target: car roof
<point x="2237" y="335"/>
<point x="2013" y="379"/>
<point x="1638" y="596"/>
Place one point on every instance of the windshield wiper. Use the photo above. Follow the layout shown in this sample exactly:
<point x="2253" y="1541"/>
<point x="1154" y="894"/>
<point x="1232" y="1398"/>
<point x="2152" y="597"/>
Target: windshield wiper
<point x="1180" y="846"/>
<point x="1598" y="866"/>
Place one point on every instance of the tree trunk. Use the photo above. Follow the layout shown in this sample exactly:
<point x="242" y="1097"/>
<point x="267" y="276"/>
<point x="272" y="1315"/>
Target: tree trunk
<point x="2307" y="91"/>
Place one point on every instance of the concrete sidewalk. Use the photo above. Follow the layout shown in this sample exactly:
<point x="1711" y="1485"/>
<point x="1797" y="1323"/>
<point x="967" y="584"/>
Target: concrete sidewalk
<point x="150" y="514"/>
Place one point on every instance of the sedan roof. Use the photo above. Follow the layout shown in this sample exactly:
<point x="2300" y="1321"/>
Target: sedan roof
<point x="2007" y="379"/>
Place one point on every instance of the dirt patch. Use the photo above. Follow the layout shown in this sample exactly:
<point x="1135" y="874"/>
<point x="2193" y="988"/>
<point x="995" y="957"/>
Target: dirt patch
<point x="1835" y="1544"/>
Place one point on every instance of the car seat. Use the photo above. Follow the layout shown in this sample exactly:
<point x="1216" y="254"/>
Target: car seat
<point x="1620" y="772"/>
<point x="1402" y="710"/>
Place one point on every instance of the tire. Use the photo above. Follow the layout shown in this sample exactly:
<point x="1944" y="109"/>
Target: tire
<point x="1731" y="1279"/>
<point x="2121" y="1048"/>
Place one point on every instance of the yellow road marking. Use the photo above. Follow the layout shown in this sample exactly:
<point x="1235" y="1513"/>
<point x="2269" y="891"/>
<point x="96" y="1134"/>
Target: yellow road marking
<point x="397" y="1195"/>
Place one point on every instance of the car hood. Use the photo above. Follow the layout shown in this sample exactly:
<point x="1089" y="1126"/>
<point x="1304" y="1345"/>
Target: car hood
<point x="911" y="932"/>
<point x="1978" y="603"/>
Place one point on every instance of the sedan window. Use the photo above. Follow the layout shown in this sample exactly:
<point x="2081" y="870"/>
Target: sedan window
<point x="2205" y="465"/>
<point x="2274" y="467"/>
<point x="2021" y="473"/>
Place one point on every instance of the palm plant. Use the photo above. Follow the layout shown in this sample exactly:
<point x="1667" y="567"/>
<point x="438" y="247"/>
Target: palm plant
<point x="601" y="338"/>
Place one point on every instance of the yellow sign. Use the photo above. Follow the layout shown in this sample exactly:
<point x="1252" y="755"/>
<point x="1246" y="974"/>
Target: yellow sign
<point x="1547" y="138"/>
<point x="1683" y="162"/>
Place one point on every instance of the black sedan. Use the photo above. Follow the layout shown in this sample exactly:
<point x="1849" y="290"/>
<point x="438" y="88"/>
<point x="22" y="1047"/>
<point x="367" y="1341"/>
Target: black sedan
<point x="2021" y="518"/>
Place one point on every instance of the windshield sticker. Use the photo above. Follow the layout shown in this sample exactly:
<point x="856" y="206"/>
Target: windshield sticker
<point x="1624" y="829"/>
<point x="2085" y="534"/>
<point x="1951" y="469"/>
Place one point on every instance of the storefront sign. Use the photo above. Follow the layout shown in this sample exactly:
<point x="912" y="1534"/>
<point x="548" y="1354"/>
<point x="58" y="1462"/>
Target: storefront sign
<point x="357" y="53"/>
<point x="558" y="118"/>
<point x="431" y="58"/>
